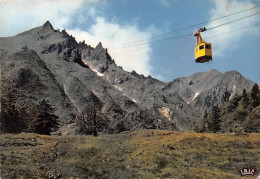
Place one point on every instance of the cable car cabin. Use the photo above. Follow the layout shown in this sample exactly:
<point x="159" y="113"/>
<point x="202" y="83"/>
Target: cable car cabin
<point x="203" y="50"/>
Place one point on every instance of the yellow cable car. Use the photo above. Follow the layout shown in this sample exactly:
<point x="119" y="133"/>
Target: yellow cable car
<point x="203" y="50"/>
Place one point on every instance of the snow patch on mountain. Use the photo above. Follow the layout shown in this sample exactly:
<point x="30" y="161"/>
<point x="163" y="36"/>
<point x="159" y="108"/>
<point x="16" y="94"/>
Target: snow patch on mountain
<point x="134" y="100"/>
<point x="196" y="94"/>
<point x="117" y="87"/>
<point x="99" y="74"/>
<point x="92" y="68"/>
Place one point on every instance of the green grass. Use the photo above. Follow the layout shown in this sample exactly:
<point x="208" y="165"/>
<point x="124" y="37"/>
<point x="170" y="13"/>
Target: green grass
<point x="138" y="154"/>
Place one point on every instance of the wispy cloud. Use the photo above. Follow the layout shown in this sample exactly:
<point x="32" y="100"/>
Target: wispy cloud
<point x="19" y="15"/>
<point x="223" y="8"/>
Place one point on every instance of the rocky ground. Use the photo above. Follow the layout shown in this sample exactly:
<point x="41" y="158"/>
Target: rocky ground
<point x="138" y="154"/>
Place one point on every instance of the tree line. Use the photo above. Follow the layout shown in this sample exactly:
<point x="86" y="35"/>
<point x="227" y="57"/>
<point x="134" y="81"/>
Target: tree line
<point x="240" y="114"/>
<point x="16" y="118"/>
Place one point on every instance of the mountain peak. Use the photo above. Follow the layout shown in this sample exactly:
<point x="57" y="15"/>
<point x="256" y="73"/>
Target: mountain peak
<point x="47" y="24"/>
<point x="47" y="27"/>
<point x="214" y="70"/>
<point x="99" y="46"/>
<point x="233" y="72"/>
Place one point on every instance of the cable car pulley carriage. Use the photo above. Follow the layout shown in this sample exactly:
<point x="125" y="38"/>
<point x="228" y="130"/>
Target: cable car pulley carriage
<point x="203" y="50"/>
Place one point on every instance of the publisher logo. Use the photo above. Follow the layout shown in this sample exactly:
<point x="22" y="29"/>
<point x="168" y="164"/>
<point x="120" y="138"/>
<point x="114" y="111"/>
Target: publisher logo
<point x="247" y="171"/>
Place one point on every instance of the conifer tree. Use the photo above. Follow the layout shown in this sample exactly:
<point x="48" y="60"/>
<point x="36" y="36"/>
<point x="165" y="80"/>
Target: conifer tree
<point x="43" y="120"/>
<point x="245" y="100"/>
<point x="252" y="122"/>
<point x="214" y="120"/>
<point x="10" y="122"/>
<point x="255" y="96"/>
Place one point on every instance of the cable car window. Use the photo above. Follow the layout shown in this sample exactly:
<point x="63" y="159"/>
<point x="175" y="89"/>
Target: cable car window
<point x="208" y="47"/>
<point x="201" y="47"/>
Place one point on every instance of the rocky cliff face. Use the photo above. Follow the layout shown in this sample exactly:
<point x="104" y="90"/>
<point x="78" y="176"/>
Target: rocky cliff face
<point x="44" y="63"/>
<point x="207" y="89"/>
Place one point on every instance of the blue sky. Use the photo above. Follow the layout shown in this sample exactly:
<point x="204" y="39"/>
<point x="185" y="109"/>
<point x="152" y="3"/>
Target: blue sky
<point x="129" y="27"/>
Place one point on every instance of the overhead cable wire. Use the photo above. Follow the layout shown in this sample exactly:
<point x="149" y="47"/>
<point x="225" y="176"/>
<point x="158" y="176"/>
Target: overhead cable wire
<point x="225" y="33"/>
<point x="156" y="41"/>
<point x="232" y="31"/>
<point x="176" y="37"/>
<point x="194" y="25"/>
<point x="234" y="21"/>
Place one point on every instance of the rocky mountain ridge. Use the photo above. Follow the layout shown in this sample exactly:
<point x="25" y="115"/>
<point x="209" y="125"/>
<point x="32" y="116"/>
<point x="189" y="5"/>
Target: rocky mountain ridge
<point x="51" y="64"/>
<point x="207" y="89"/>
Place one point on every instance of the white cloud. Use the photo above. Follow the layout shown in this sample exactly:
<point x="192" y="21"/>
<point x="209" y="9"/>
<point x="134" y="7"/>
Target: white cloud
<point x="112" y="37"/>
<point x="20" y="15"/>
<point x="223" y="8"/>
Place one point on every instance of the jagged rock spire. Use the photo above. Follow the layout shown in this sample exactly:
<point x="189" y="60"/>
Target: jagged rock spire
<point x="47" y="25"/>
<point x="99" y="46"/>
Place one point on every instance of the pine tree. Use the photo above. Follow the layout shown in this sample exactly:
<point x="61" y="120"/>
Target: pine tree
<point x="252" y="122"/>
<point x="255" y="96"/>
<point x="10" y="122"/>
<point x="214" y="120"/>
<point x="245" y="100"/>
<point x="43" y="120"/>
<point x="233" y="104"/>
<point x="24" y="118"/>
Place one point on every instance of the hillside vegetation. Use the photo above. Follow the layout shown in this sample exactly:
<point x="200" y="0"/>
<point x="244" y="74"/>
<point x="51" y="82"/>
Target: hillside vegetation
<point x="240" y="114"/>
<point x="138" y="154"/>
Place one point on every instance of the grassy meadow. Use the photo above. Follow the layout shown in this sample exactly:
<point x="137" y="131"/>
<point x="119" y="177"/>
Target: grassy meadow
<point x="136" y="154"/>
